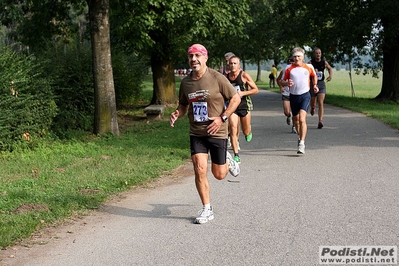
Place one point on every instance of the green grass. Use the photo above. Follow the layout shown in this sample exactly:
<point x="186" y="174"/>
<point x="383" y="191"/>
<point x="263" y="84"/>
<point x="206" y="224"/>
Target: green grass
<point x="60" y="179"/>
<point x="339" y="93"/>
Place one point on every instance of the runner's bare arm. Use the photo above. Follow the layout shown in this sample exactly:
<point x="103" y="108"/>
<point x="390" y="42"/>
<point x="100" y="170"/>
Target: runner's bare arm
<point x="179" y="112"/>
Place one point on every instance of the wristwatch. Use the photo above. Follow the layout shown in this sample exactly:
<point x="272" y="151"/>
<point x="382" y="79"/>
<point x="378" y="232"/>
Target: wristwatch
<point x="224" y="117"/>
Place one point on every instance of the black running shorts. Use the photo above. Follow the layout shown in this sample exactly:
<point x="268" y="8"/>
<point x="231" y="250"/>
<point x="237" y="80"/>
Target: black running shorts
<point x="216" y="147"/>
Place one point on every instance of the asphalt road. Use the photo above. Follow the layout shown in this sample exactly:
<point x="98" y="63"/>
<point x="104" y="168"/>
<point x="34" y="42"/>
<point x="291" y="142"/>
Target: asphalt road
<point x="279" y="211"/>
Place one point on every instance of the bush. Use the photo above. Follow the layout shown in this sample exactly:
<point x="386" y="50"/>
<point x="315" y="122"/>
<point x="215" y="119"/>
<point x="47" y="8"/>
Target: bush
<point x="129" y="72"/>
<point x="70" y="68"/>
<point x="27" y="105"/>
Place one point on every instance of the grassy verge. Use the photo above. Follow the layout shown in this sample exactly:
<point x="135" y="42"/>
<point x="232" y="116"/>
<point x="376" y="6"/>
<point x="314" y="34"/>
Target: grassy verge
<point x="64" y="178"/>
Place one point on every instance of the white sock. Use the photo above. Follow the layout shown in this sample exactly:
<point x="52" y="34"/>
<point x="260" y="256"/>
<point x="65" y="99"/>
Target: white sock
<point x="207" y="206"/>
<point x="301" y="142"/>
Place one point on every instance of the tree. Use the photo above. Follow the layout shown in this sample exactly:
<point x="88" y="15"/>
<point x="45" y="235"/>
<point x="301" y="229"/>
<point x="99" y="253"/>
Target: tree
<point x="105" y="117"/>
<point x="352" y="28"/>
<point x="163" y="30"/>
<point x="256" y="47"/>
<point x="267" y="35"/>
<point x="388" y="11"/>
<point x="264" y="33"/>
<point x="52" y="19"/>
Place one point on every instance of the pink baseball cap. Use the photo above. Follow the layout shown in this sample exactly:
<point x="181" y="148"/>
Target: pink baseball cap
<point x="197" y="48"/>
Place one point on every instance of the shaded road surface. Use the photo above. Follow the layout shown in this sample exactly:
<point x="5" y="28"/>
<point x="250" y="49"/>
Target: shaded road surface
<point x="343" y="191"/>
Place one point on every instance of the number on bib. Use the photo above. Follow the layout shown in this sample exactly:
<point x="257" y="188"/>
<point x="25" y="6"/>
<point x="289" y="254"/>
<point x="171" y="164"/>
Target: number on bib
<point x="319" y="75"/>
<point x="200" y="111"/>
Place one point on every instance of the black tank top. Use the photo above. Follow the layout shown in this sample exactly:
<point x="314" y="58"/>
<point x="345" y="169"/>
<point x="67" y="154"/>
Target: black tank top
<point x="238" y="84"/>
<point x="319" y="67"/>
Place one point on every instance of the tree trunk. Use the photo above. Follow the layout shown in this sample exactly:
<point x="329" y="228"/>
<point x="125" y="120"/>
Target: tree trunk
<point x="259" y="72"/>
<point x="390" y="68"/>
<point x="105" y="115"/>
<point x="164" y="81"/>
<point x="350" y="78"/>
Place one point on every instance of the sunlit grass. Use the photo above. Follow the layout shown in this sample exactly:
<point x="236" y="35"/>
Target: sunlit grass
<point x="339" y="93"/>
<point x="365" y="86"/>
<point x="62" y="178"/>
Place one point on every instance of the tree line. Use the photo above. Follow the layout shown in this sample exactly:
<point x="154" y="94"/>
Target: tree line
<point x="157" y="33"/>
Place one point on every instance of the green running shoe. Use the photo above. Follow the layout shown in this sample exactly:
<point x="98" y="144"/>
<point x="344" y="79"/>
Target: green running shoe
<point x="237" y="159"/>
<point x="249" y="137"/>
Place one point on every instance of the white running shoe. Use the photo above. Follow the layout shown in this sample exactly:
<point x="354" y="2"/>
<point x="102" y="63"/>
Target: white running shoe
<point x="234" y="168"/>
<point x="204" y="216"/>
<point x="301" y="148"/>
<point x="294" y="130"/>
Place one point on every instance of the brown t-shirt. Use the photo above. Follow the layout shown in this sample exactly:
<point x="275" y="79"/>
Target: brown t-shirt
<point x="206" y="98"/>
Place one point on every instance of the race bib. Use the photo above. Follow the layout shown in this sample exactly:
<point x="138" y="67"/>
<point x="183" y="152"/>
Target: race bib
<point x="319" y="75"/>
<point x="200" y="111"/>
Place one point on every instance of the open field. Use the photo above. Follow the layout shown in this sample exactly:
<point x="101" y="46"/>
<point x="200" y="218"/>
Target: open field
<point x="339" y="93"/>
<point x="365" y="86"/>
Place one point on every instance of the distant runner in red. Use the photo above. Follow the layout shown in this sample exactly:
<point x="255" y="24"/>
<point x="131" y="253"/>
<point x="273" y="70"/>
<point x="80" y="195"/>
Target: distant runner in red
<point x="297" y="77"/>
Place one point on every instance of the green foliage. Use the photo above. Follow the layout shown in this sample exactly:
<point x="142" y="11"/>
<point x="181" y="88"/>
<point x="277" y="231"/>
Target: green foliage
<point x="27" y="105"/>
<point x="167" y="28"/>
<point x="265" y="33"/>
<point x="163" y="30"/>
<point x="74" y="86"/>
<point x="71" y="69"/>
<point x="129" y="72"/>
<point x="35" y="22"/>
<point x="363" y="29"/>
